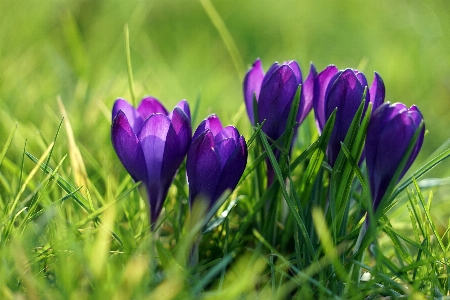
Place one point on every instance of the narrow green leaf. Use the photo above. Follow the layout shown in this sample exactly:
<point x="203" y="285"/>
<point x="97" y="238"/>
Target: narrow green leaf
<point x="294" y="109"/>
<point x="424" y="169"/>
<point x="326" y="241"/>
<point x="418" y="259"/>
<point x="398" y="245"/>
<point x="343" y="171"/>
<point x="8" y="143"/>
<point x="249" y="218"/>
<point x="289" y="201"/>
<point x="206" y="279"/>
<point x="414" y="224"/>
<point x="305" y="154"/>
<point x="356" y="168"/>
<point x="56" y="136"/>
<point x="129" y="67"/>
<point x="315" y="163"/>
<point x="428" y="216"/>
<point x="28" y="179"/>
<point x="33" y="205"/>
<point x="196" y="109"/>
<point x="78" y="197"/>
<point x="415" y="209"/>
<point x="164" y="255"/>
<point x="302" y="276"/>
<point x="227" y="38"/>
<point x="255" y="111"/>
<point x="216" y="222"/>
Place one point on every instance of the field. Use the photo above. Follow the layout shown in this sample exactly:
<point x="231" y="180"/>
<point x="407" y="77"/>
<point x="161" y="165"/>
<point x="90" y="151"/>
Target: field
<point x="85" y="232"/>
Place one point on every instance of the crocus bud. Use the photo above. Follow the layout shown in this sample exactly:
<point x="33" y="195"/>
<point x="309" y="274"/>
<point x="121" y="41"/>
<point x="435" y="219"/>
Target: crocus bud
<point x="215" y="161"/>
<point x="151" y="144"/>
<point x="389" y="133"/>
<point x="274" y="92"/>
<point x="343" y="90"/>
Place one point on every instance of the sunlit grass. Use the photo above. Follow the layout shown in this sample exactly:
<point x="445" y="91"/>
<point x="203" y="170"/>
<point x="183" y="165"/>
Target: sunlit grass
<point x="75" y="225"/>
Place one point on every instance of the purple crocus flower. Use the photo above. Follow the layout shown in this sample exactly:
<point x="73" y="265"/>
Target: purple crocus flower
<point x="275" y="93"/>
<point x="390" y="130"/>
<point x="151" y="144"/>
<point x="343" y="90"/>
<point x="215" y="161"/>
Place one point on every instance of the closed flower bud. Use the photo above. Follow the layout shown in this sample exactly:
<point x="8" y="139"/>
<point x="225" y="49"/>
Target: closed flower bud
<point x="390" y="131"/>
<point x="274" y="92"/>
<point x="343" y="90"/>
<point x="215" y="161"/>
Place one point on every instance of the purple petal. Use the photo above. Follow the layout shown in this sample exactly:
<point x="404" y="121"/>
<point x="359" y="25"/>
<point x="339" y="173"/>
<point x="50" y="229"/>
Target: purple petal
<point x="212" y="123"/>
<point x="234" y="166"/>
<point x="345" y="94"/>
<point x="307" y="95"/>
<point x="127" y="147"/>
<point x="275" y="100"/>
<point x="184" y="106"/>
<point x="165" y="143"/>
<point x="321" y="83"/>
<point x="362" y="78"/>
<point x="133" y="117"/>
<point x="156" y="192"/>
<point x="226" y="133"/>
<point x="177" y="144"/>
<point x="274" y="67"/>
<point x="203" y="168"/>
<point x="153" y="142"/>
<point x="296" y="69"/>
<point x="415" y="119"/>
<point x="377" y="92"/>
<point x="252" y="85"/>
<point x="149" y="106"/>
<point x="225" y="149"/>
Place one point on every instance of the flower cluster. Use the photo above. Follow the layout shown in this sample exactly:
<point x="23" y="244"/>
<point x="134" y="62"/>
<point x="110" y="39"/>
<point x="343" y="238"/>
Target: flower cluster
<point x="152" y="143"/>
<point x="391" y="127"/>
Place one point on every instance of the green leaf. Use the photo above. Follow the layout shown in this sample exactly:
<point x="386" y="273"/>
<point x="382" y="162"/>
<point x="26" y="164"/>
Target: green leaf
<point x="73" y="192"/>
<point x="428" y="216"/>
<point x="293" y="209"/>
<point x="424" y="169"/>
<point x="356" y="168"/>
<point x="216" y="222"/>
<point x="250" y="217"/>
<point x="315" y="163"/>
<point x="69" y="189"/>
<point x="206" y="278"/>
<point x="343" y="170"/>
<point x="398" y="244"/>
<point x="8" y="143"/>
<point x="165" y="256"/>
<point x="129" y="67"/>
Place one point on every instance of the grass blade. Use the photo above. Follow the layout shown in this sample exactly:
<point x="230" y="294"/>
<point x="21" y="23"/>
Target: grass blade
<point x="8" y="143"/>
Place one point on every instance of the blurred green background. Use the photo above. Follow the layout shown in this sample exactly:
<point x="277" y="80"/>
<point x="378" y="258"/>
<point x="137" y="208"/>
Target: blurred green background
<point x="76" y="49"/>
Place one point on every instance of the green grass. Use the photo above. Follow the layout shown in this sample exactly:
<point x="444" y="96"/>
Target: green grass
<point x="74" y="225"/>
